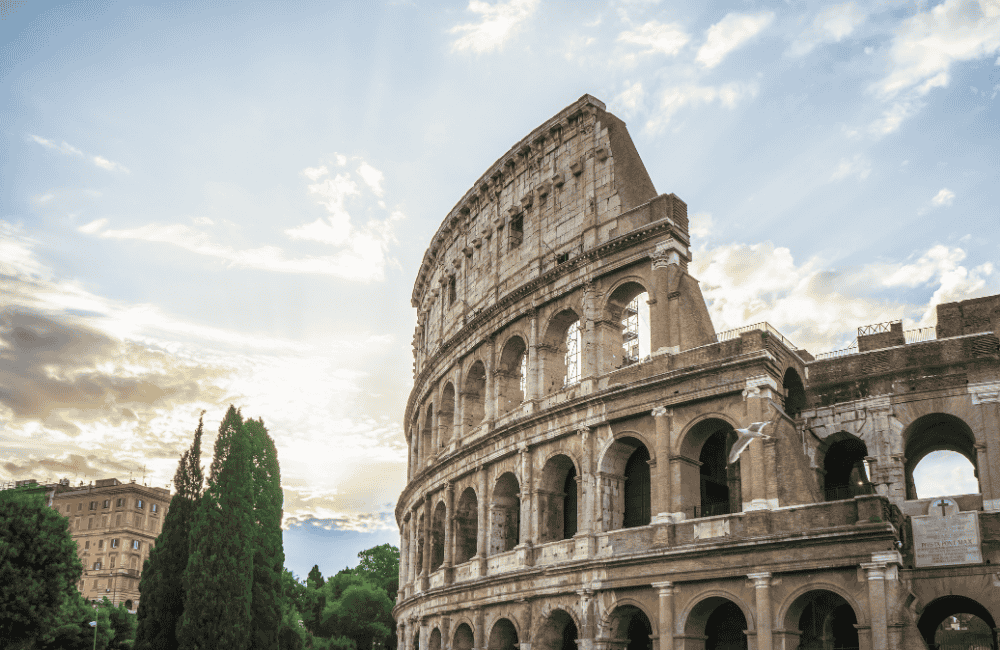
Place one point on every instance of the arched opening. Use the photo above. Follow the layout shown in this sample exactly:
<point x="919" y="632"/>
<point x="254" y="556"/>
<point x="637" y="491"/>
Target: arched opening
<point x="437" y="536"/>
<point x="630" y="629"/>
<point x="559" y="632"/>
<point x="824" y="621"/>
<point x="128" y="604"/>
<point x="721" y="622"/>
<point x="944" y="473"/>
<point x="561" y="352"/>
<point x="446" y="415"/>
<point x="629" y="306"/>
<point x="420" y="544"/>
<point x="509" y="374"/>
<point x="505" y="532"/>
<point x="464" y="639"/>
<point x="957" y="622"/>
<point x="795" y="392"/>
<point x="557" y="500"/>
<point x="503" y="636"/>
<point x="474" y="397"/>
<point x="846" y="474"/>
<point x="939" y="432"/>
<point x="625" y="492"/>
<point x="467" y="526"/>
<point x="434" y="641"/>
<point x="710" y="485"/>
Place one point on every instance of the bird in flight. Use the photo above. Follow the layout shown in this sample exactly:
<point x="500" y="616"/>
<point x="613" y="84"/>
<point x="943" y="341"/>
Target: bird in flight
<point x="748" y="435"/>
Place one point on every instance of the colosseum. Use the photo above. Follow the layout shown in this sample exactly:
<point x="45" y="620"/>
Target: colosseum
<point x="584" y="469"/>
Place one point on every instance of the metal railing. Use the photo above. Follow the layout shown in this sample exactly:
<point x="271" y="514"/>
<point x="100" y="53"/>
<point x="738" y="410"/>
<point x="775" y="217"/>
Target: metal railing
<point x="877" y="328"/>
<point x="729" y="335"/>
<point x="707" y="510"/>
<point x="843" y="352"/>
<point x="920" y="334"/>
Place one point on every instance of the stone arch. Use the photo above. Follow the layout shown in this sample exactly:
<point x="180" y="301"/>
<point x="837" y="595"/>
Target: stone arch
<point x="503" y="635"/>
<point x="427" y="434"/>
<point x="505" y="512"/>
<point x="709" y="484"/>
<point x="626" y="489"/>
<point x="721" y="619"/>
<point x="559" y="631"/>
<point x="936" y="432"/>
<point x="795" y="392"/>
<point x="474" y="397"/>
<point x="434" y="639"/>
<point x="629" y="626"/>
<point x="561" y="352"/>
<point x="466" y="526"/>
<point x="464" y="639"/>
<point x="821" y="618"/>
<point x="845" y="475"/>
<point x="944" y="607"/>
<point x="421" y="544"/>
<point x="446" y="415"/>
<point x="510" y="373"/>
<point x="627" y="309"/>
<point x="558" y="499"/>
<point x="791" y="606"/>
<point x="438" y="523"/>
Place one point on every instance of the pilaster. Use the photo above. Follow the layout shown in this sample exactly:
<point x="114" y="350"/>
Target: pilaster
<point x="762" y="589"/>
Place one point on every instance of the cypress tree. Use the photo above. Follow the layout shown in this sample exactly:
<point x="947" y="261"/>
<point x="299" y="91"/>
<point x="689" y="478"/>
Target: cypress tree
<point x="161" y="585"/>
<point x="219" y="577"/>
<point x="268" y="551"/>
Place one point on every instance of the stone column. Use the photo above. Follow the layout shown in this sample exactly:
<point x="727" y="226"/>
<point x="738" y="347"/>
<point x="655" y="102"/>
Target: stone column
<point x="665" y="255"/>
<point x="663" y="481"/>
<point x="987" y="398"/>
<point x="414" y="534"/>
<point x="762" y="586"/>
<point x="449" y="524"/>
<point x="527" y="534"/>
<point x="587" y="627"/>
<point x="882" y="569"/>
<point x="425" y="570"/>
<point x="985" y="477"/>
<point x="479" y="635"/>
<point x="458" y="411"/>
<point x="489" y="399"/>
<point x="753" y="468"/>
<point x="534" y="378"/>
<point x="666" y="624"/>
<point x="425" y="632"/>
<point x="404" y="557"/>
<point x="482" y="519"/>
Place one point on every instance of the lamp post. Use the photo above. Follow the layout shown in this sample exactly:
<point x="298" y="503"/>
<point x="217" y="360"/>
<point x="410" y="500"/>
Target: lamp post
<point x="93" y="624"/>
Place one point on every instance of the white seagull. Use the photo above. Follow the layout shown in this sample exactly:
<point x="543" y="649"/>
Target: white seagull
<point x="747" y="436"/>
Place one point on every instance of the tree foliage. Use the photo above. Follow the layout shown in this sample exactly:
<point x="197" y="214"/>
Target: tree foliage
<point x="268" y="551"/>
<point x="219" y="577"/>
<point x="161" y="584"/>
<point x="39" y="566"/>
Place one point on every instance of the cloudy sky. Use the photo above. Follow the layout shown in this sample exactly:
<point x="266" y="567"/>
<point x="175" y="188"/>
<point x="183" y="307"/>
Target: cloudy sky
<point x="215" y="202"/>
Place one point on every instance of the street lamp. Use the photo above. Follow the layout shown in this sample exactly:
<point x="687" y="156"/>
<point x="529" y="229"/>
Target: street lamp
<point x="93" y="624"/>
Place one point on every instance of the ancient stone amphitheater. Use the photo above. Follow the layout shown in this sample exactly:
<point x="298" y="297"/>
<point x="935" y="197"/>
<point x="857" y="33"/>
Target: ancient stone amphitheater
<point x="573" y="416"/>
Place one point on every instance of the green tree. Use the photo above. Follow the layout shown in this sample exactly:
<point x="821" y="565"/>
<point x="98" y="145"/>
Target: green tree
<point x="72" y="631"/>
<point x="315" y="577"/>
<point x="122" y="622"/>
<point x="219" y="577"/>
<point x="268" y="551"/>
<point x="39" y="567"/>
<point x="359" y="612"/>
<point x="161" y="585"/>
<point x="380" y="565"/>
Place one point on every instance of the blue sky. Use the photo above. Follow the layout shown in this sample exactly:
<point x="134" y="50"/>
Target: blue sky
<point x="213" y="202"/>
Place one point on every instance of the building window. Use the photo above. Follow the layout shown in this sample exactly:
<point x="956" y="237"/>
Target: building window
<point x="79" y="506"/>
<point x="68" y="507"/>
<point x="114" y="543"/>
<point x="86" y="544"/>
<point x="516" y="235"/>
<point x="572" y="354"/>
<point x="138" y="503"/>
<point x="155" y="508"/>
<point x="452" y="291"/>
<point x="119" y="503"/>
<point x="112" y="559"/>
<point x="100" y="543"/>
<point x="135" y="544"/>
<point x="97" y="566"/>
<point x="118" y="521"/>
<point x="90" y="523"/>
<point x="107" y="503"/>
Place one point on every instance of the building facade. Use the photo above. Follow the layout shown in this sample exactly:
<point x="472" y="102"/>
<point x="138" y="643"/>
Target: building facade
<point x="574" y="414"/>
<point x="115" y="525"/>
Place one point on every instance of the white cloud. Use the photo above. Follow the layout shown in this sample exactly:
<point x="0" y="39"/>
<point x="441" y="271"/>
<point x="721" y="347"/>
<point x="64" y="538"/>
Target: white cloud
<point x="675" y="98"/>
<point x="112" y="166"/>
<point x="631" y="98"/>
<point x="372" y="177"/>
<point x="657" y="38"/>
<point x="314" y="173"/>
<point x="730" y="33"/>
<point x="831" y="25"/>
<point x="926" y="46"/>
<point x="496" y="24"/>
<point x="858" y="166"/>
<point x="943" y="197"/>
<point x="700" y="226"/>
<point x="93" y="227"/>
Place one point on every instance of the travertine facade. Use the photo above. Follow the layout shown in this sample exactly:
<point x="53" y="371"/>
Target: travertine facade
<point x="569" y="483"/>
<point x="115" y="525"/>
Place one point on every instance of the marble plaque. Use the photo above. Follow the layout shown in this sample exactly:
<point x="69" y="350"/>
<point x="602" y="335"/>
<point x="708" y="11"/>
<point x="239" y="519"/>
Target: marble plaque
<point x="950" y="539"/>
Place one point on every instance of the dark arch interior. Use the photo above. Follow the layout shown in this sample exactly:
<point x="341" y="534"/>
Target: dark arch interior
<point x="437" y="536"/>
<point x="505" y="531"/>
<point x="467" y="526"/>
<point x="827" y="621"/>
<point x="434" y="643"/>
<point x="630" y="624"/>
<point x="637" y="488"/>
<point x="570" y="504"/>
<point x="509" y="375"/>
<point x="725" y="628"/>
<point x="557" y="633"/>
<point x="940" y="610"/>
<point x="795" y="392"/>
<point x="446" y="415"/>
<point x="557" y="500"/>
<point x="936" y="432"/>
<point x="845" y="470"/>
<point x="474" y="395"/>
<point x="503" y="636"/>
<point x="718" y="477"/>
<point x="464" y="640"/>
